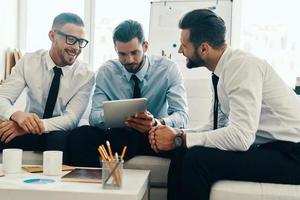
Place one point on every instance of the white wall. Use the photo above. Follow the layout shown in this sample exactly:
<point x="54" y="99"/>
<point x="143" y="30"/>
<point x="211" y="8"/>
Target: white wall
<point x="8" y="33"/>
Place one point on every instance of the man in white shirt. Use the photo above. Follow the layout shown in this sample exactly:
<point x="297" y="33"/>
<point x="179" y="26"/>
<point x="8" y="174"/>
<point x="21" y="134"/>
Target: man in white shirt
<point x="254" y="132"/>
<point x="58" y="88"/>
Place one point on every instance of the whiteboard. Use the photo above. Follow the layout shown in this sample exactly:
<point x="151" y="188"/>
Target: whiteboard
<point x="164" y="39"/>
<point x="164" y="34"/>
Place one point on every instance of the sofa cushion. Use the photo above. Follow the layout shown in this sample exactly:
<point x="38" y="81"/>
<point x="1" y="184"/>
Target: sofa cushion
<point x="30" y="158"/>
<point x="237" y="190"/>
<point x="159" y="168"/>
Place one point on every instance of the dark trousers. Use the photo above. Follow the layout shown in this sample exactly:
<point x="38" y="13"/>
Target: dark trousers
<point x="83" y="144"/>
<point x="201" y="167"/>
<point x="56" y="140"/>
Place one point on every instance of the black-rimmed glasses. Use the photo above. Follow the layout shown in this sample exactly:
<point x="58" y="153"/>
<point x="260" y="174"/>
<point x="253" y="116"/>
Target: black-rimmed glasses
<point x="71" y="40"/>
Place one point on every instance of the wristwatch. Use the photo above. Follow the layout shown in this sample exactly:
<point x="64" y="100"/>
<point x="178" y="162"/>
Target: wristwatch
<point x="162" y="122"/>
<point x="159" y="122"/>
<point x="178" y="141"/>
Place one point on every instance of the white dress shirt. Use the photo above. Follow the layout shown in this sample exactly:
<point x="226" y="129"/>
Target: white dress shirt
<point x="34" y="72"/>
<point x="255" y="106"/>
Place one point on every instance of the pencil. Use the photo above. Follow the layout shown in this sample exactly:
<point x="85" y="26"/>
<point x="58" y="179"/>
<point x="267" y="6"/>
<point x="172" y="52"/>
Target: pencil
<point x="123" y="152"/>
<point x="109" y="150"/>
<point x="101" y="153"/>
<point x="105" y="152"/>
<point x="116" y="156"/>
<point x="117" y="172"/>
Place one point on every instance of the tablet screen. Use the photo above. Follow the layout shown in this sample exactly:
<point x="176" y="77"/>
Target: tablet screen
<point x="117" y="111"/>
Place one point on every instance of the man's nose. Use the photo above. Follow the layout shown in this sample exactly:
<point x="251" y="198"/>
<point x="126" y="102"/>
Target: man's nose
<point x="76" y="45"/>
<point x="180" y="49"/>
<point x="129" y="59"/>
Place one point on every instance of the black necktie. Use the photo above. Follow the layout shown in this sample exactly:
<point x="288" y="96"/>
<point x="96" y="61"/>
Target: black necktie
<point x="52" y="95"/>
<point x="50" y="103"/>
<point x="136" y="89"/>
<point x="215" y="80"/>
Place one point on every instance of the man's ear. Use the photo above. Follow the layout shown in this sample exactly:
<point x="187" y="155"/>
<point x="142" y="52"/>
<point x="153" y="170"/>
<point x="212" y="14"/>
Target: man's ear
<point x="203" y="49"/>
<point x="116" y="49"/>
<point x="145" y="46"/>
<point x="51" y="35"/>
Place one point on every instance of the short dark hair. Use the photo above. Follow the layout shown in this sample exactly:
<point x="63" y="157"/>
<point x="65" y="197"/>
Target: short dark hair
<point x="64" y="18"/>
<point x="204" y="26"/>
<point x="127" y="30"/>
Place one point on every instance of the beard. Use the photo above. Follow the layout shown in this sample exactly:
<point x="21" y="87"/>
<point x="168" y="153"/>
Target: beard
<point x="134" y="67"/>
<point x="195" y="61"/>
<point x="68" y="59"/>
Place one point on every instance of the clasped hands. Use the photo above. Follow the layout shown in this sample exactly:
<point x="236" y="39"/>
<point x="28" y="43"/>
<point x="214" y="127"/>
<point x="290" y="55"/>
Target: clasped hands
<point x="19" y="124"/>
<point x="161" y="137"/>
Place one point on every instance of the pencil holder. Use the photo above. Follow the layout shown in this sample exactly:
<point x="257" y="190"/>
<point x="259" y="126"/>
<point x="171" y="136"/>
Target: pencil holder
<point x="112" y="172"/>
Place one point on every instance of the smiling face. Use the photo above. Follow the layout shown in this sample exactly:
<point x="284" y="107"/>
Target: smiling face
<point x="131" y="54"/>
<point x="191" y="53"/>
<point x="62" y="53"/>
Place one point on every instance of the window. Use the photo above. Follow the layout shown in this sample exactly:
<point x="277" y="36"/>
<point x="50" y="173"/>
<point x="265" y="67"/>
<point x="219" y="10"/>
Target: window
<point x="40" y="15"/>
<point x="270" y="30"/>
<point x="107" y="16"/>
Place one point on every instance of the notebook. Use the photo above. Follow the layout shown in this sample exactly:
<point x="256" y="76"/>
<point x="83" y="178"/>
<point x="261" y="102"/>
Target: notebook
<point x="85" y="175"/>
<point x="39" y="168"/>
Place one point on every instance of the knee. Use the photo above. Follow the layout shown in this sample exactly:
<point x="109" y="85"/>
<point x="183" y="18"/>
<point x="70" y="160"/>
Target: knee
<point x="81" y="129"/>
<point x="85" y="134"/>
<point x="81" y="132"/>
<point x="77" y="136"/>
<point x="57" y="137"/>
<point x="196" y="157"/>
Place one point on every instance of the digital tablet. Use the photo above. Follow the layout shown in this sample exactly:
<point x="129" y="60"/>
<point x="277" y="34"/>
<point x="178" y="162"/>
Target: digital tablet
<point x="117" y="111"/>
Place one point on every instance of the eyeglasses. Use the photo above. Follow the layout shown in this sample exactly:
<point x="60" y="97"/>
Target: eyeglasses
<point x="71" y="40"/>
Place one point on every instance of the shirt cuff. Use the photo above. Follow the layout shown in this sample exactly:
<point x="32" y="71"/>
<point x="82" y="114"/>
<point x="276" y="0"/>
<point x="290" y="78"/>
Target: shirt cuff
<point x="156" y="122"/>
<point x="45" y="126"/>
<point x="96" y="119"/>
<point x="9" y="113"/>
<point x="193" y="139"/>
<point x="168" y="122"/>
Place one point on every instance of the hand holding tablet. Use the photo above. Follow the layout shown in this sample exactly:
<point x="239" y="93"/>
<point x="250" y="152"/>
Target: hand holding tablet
<point x="142" y="122"/>
<point x="117" y="112"/>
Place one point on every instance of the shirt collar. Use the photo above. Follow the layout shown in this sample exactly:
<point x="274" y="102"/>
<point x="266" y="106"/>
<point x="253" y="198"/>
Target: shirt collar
<point x="219" y="67"/>
<point x="51" y="64"/>
<point x="140" y="74"/>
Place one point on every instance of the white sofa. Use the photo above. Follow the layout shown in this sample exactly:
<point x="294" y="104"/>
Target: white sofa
<point x="222" y="190"/>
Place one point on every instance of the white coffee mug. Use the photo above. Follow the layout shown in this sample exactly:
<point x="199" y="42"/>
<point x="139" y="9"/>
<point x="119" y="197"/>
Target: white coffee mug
<point x="12" y="160"/>
<point x="52" y="163"/>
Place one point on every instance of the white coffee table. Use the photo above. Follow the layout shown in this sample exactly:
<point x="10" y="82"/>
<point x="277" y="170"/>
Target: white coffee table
<point x="12" y="187"/>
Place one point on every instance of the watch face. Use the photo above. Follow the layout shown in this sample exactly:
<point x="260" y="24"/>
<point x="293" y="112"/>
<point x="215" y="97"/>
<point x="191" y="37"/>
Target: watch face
<point x="178" y="141"/>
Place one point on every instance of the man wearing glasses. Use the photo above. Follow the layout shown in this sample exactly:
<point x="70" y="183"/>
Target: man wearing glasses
<point x="58" y="87"/>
